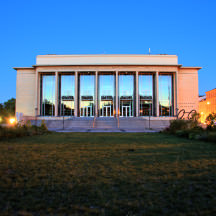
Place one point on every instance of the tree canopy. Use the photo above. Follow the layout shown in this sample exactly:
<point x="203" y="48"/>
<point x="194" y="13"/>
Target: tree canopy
<point x="8" y="108"/>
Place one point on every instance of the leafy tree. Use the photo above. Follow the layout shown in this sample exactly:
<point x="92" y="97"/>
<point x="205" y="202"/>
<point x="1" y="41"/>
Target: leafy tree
<point x="1" y="109"/>
<point x="210" y="120"/>
<point x="9" y="107"/>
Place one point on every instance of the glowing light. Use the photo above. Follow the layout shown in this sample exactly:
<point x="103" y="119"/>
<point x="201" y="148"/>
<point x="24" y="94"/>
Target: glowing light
<point x="12" y="121"/>
<point x="201" y="113"/>
<point x="208" y="102"/>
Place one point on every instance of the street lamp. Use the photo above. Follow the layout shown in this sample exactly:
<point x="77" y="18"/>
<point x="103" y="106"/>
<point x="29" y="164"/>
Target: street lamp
<point x="36" y="109"/>
<point x="12" y="121"/>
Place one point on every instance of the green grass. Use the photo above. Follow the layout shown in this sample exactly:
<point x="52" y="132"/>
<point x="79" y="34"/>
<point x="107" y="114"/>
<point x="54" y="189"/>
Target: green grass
<point x="107" y="174"/>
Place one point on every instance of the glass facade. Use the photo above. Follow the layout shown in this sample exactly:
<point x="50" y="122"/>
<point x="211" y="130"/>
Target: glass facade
<point x="145" y="94"/>
<point x="106" y="94"/>
<point x="66" y="95"/>
<point x="87" y="94"/>
<point x="126" y="94"/>
<point x="47" y="95"/>
<point x="165" y="95"/>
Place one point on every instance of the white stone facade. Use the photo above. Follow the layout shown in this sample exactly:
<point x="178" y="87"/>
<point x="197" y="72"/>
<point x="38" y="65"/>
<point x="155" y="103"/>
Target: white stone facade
<point x="184" y="81"/>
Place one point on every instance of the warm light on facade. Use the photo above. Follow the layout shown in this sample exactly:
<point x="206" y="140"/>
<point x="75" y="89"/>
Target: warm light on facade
<point x="207" y="105"/>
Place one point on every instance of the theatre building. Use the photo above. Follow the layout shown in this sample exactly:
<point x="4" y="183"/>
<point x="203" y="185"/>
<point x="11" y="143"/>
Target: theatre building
<point x="124" y="86"/>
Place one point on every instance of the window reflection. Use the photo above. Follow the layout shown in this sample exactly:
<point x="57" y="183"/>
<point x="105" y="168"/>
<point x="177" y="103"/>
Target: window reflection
<point x="126" y="94"/>
<point x="87" y="86"/>
<point x="106" y="94"/>
<point x="146" y="94"/>
<point x="47" y="95"/>
<point x="67" y="94"/>
<point x="165" y="95"/>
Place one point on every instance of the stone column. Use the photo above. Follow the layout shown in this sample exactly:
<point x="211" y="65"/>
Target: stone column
<point x="117" y="107"/>
<point x="176" y="94"/>
<point x="37" y="93"/>
<point x="137" y="94"/>
<point x="56" y="92"/>
<point x="96" y="93"/>
<point x="76" y="99"/>
<point x="157" y="92"/>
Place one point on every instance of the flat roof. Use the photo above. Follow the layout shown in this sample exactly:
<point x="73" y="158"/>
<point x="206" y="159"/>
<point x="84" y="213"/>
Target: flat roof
<point x="107" y="55"/>
<point x="192" y="67"/>
<point x="107" y="59"/>
<point x="23" y="67"/>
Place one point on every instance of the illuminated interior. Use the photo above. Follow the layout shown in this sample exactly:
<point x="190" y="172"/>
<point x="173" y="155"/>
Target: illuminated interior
<point x="146" y="94"/>
<point x="67" y="94"/>
<point x="87" y="92"/>
<point x="47" y="95"/>
<point x="126" y="94"/>
<point x="106" y="94"/>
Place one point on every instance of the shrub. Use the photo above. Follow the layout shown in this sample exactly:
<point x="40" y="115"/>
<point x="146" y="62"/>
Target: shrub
<point x="43" y="126"/>
<point x="210" y="121"/>
<point x="22" y="130"/>
<point x="178" y="124"/>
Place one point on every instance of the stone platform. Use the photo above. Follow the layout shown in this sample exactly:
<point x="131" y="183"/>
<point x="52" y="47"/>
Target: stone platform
<point x="105" y="124"/>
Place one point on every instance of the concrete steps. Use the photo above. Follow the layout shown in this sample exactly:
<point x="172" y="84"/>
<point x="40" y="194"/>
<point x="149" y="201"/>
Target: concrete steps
<point x="106" y="122"/>
<point x="132" y="123"/>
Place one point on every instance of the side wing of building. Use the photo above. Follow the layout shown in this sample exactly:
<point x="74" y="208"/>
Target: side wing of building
<point x="25" y="91"/>
<point x="188" y="93"/>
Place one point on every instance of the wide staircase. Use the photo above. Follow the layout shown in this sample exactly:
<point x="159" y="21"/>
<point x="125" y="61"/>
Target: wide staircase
<point x="107" y="123"/>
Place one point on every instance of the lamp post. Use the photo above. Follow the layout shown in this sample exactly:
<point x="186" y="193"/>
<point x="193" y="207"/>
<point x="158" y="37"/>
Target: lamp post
<point x="63" y="117"/>
<point x="36" y="109"/>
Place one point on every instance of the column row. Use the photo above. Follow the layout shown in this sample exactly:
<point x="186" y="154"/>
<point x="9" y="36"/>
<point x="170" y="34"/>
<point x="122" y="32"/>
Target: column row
<point x="106" y="94"/>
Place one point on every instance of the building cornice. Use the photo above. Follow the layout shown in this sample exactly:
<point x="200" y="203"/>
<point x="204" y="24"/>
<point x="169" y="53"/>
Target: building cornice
<point x="108" y="65"/>
<point x="106" y="55"/>
<point x="191" y="68"/>
<point x="17" y="68"/>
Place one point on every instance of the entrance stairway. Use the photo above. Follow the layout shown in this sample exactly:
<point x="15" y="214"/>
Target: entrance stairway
<point x="106" y="122"/>
<point x="124" y="123"/>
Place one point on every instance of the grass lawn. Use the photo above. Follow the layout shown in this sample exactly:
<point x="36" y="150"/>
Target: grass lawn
<point x="107" y="174"/>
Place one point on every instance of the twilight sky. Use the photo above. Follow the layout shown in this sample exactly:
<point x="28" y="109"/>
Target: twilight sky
<point x="186" y="28"/>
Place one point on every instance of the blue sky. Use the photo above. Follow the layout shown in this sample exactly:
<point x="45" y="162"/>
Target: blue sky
<point x="186" y="28"/>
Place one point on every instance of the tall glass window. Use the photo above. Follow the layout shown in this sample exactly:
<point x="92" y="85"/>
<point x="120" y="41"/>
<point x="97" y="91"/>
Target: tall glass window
<point x="146" y="94"/>
<point x="67" y="94"/>
<point x="87" y="91"/>
<point x="165" y="95"/>
<point x="106" y="94"/>
<point x="48" y="95"/>
<point x="126" y="94"/>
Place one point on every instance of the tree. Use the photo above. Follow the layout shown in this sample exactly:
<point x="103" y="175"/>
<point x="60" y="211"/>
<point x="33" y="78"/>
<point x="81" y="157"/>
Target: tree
<point x="210" y="120"/>
<point x="1" y="109"/>
<point x="9" y="106"/>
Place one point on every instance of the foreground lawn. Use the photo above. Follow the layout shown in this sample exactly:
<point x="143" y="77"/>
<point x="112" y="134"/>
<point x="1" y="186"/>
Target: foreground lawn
<point x="107" y="174"/>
